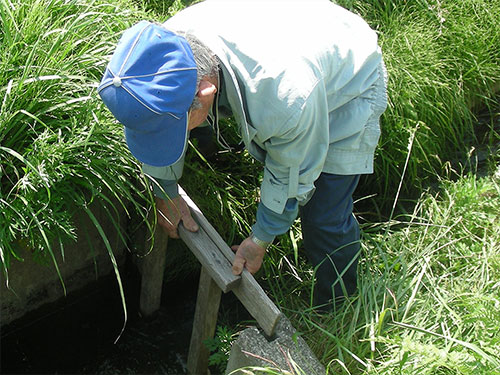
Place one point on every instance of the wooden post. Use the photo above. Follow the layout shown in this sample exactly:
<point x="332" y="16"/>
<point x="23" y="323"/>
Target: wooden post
<point x="152" y="268"/>
<point x="205" y="320"/>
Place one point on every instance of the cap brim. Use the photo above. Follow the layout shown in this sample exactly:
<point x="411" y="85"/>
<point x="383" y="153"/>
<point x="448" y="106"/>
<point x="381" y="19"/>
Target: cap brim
<point x="163" y="147"/>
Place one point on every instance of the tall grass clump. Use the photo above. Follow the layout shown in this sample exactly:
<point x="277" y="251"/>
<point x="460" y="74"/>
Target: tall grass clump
<point x="59" y="151"/>
<point x="428" y="294"/>
<point x="443" y="62"/>
<point x="165" y="8"/>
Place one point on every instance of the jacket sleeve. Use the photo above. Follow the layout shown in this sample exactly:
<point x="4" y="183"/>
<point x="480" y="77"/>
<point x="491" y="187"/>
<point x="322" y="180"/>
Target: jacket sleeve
<point x="269" y="224"/>
<point x="295" y="155"/>
<point x="165" y="178"/>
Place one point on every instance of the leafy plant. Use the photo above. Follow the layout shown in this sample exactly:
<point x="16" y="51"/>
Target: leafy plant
<point x="59" y="153"/>
<point x="220" y="347"/>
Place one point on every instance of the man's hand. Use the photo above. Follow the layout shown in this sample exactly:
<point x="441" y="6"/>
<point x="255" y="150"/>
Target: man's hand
<point x="171" y="213"/>
<point x="248" y="255"/>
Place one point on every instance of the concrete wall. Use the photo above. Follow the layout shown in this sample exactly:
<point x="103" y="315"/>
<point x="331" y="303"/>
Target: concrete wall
<point x="31" y="284"/>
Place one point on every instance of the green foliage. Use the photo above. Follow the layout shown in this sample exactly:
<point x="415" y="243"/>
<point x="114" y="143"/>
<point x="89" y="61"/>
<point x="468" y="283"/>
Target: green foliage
<point x="443" y="62"/>
<point x="428" y="291"/>
<point x="58" y="153"/>
<point x="428" y="295"/>
<point x="165" y="8"/>
<point x="220" y="347"/>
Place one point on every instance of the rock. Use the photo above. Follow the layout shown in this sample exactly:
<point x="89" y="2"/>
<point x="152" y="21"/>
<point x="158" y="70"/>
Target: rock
<point x="287" y="351"/>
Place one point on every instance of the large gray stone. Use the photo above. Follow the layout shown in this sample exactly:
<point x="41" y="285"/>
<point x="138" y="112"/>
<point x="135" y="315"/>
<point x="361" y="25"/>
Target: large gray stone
<point x="286" y="350"/>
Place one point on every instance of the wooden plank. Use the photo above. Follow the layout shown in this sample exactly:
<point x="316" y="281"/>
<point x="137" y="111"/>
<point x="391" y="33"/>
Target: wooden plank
<point x="205" y="320"/>
<point x="209" y="229"/>
<point x="248" y="291"/>
<point x="257" y="303"/>
<point x="152" y="267"/>
<point x="210" y="257"/>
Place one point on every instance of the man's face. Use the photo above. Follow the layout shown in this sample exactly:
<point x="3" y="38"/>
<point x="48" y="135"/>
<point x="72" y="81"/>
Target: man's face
<point x="206" y="95"/>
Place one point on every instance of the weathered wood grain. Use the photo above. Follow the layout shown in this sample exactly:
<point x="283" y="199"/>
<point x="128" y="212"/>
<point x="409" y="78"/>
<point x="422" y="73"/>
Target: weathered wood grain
<point x="205" y="320"/>
<point x="248" y="291"/>
<point x="209" y="255"/>
<point x="152" y="268"/>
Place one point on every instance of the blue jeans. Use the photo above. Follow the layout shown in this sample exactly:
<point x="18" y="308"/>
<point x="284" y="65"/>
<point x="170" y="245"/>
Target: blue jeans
<point x="331" y="237"/>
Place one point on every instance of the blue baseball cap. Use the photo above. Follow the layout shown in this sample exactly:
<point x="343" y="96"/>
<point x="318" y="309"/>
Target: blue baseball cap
<point x="149" y="85"/>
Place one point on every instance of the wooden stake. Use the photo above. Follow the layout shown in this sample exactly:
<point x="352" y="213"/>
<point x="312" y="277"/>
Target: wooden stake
<point x="205" y="320"/>
<point x="152" y="267"/>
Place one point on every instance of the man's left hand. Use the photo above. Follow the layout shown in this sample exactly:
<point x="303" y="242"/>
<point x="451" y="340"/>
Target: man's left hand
<point x="248" y="255"/>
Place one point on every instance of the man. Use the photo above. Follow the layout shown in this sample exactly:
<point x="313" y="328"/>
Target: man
<point x="304" y="80"/>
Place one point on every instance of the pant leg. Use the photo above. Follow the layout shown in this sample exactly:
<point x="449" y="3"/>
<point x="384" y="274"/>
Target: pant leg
<point x="331" y="236"/>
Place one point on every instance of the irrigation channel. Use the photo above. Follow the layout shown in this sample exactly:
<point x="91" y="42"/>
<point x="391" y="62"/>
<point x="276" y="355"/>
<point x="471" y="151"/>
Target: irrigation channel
<point x="76" y="335"/>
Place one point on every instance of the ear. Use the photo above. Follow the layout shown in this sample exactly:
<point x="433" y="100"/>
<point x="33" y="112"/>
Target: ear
<point x="206" y="88"/>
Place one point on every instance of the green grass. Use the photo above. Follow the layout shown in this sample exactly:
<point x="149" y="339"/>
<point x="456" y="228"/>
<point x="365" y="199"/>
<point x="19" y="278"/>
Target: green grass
<point x="428" y="300"/>
<point x="443" y="61"/>
<point x="58" y="152"/>
<point x="429" y="279"/>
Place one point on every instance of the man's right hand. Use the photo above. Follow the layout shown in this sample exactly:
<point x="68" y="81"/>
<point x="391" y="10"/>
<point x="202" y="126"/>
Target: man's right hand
<point x="171" y="212"/>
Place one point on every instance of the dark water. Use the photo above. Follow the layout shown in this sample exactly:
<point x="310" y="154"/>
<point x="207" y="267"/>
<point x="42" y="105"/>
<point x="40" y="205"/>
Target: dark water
<point x="76" y="335"/>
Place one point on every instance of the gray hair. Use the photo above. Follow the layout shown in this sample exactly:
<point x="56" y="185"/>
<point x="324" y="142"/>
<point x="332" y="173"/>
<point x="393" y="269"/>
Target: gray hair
<point x="206" y="62"/>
